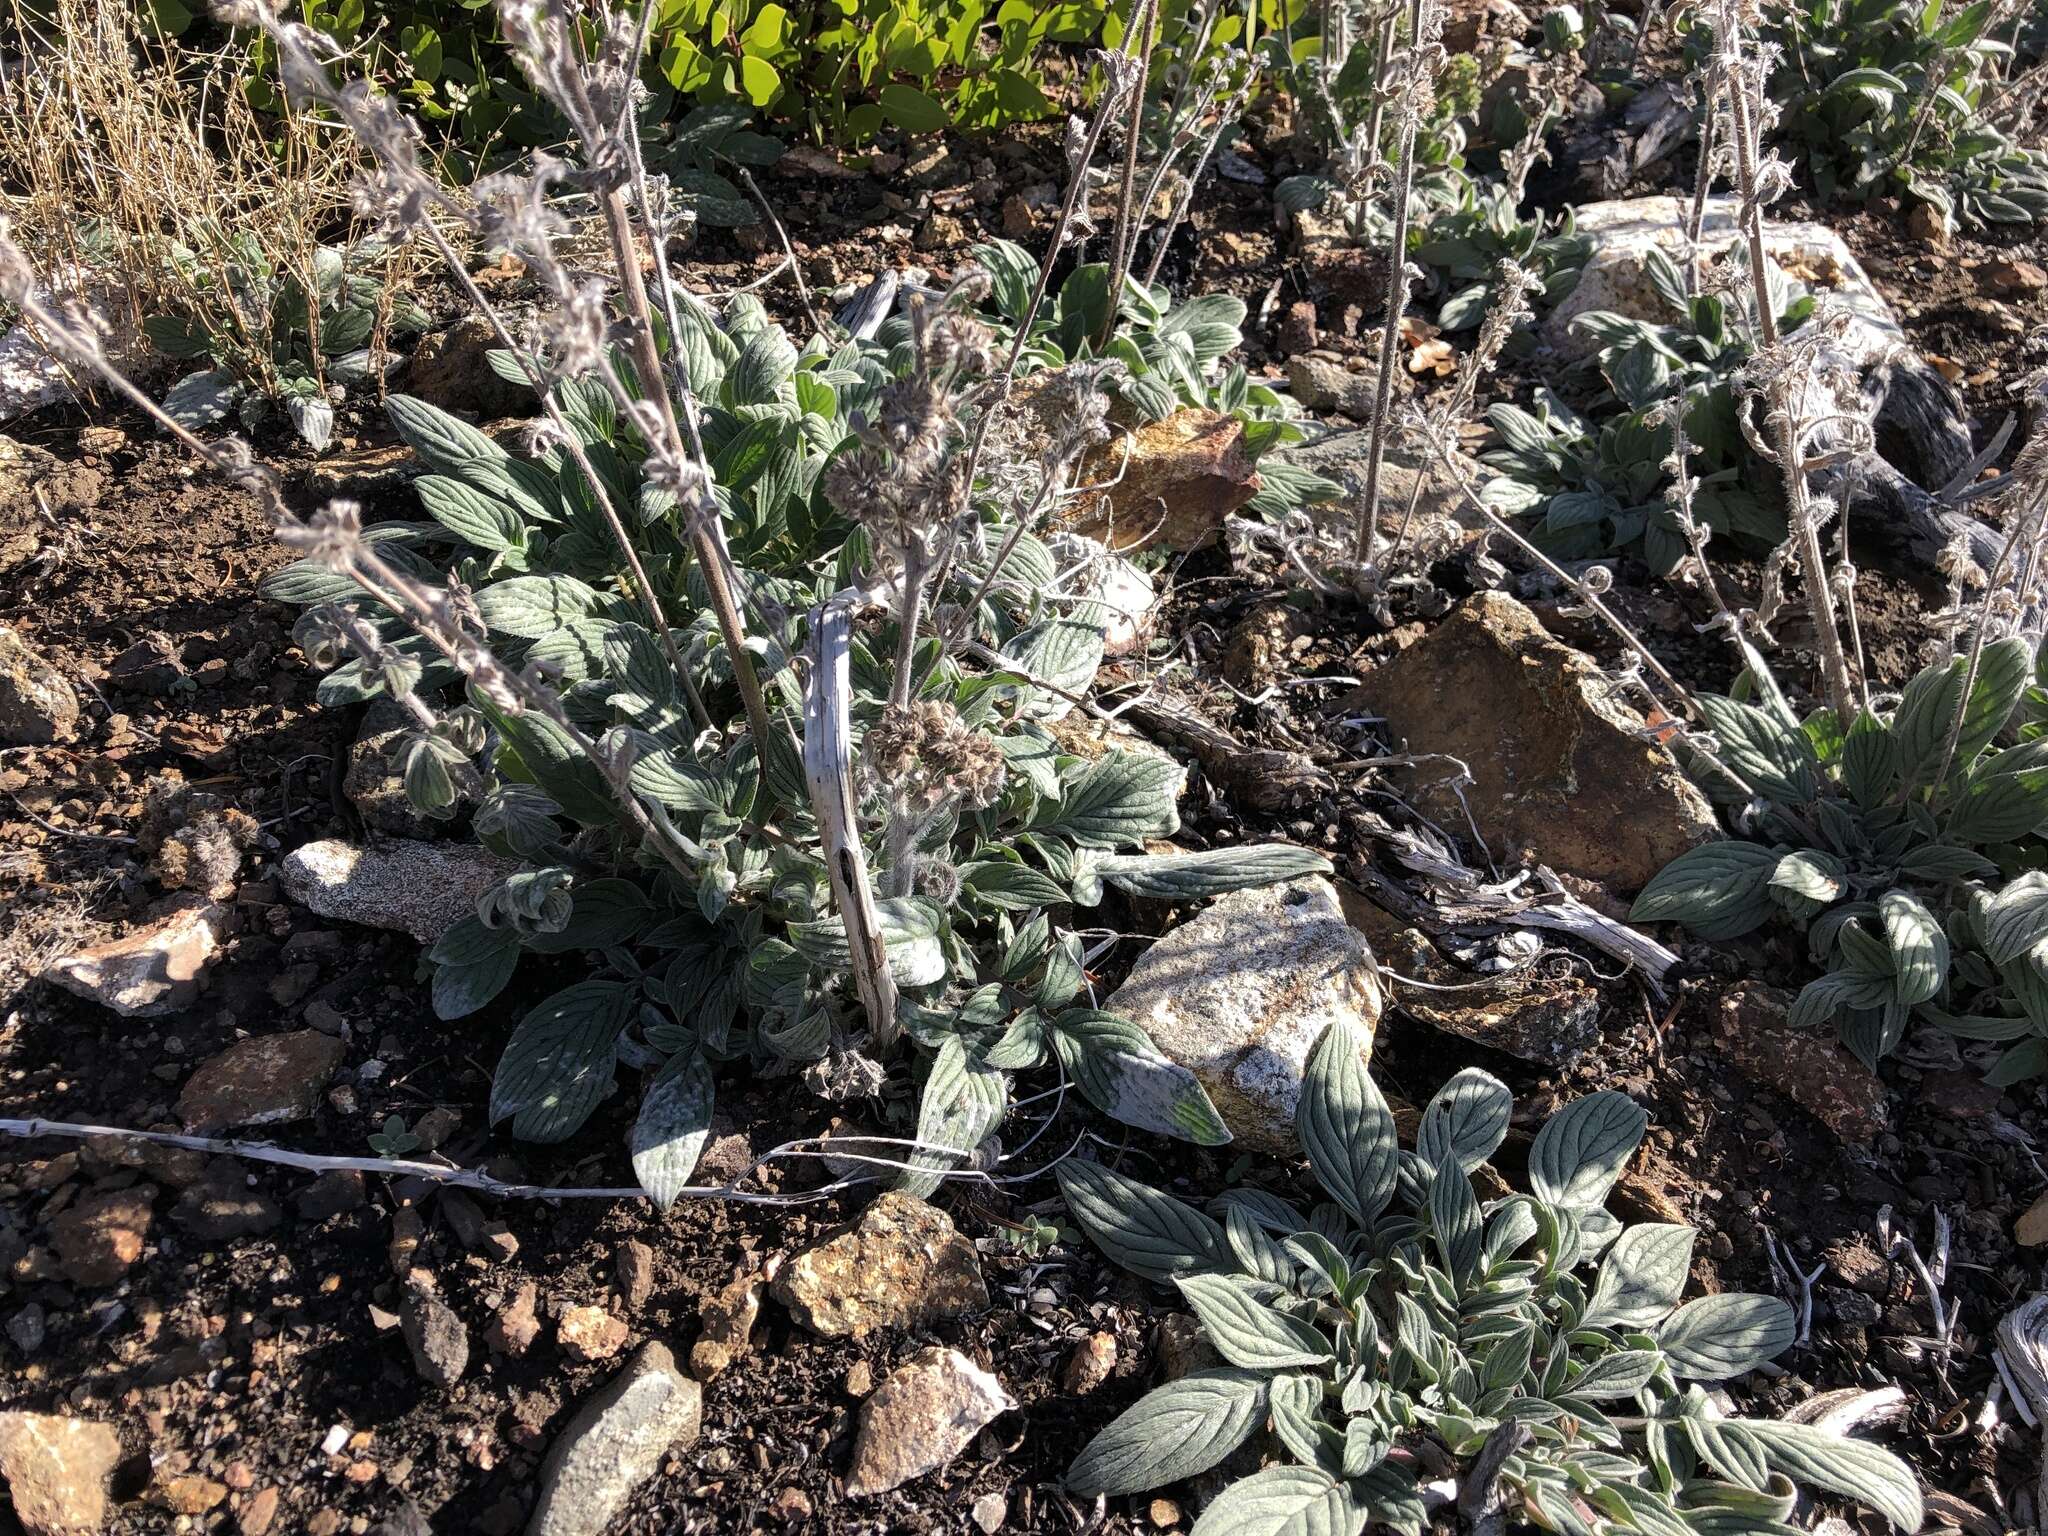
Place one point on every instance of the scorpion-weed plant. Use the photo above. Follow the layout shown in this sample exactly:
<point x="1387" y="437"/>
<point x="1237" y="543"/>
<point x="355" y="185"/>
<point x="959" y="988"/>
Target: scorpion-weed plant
<point x="1415" y="1344"/>
<point x="722" y="543"/>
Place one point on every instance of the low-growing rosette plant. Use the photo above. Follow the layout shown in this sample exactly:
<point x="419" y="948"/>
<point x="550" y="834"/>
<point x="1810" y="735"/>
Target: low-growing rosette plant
<point x="1413" y="1343"/>
<point x="1908" y="847"/>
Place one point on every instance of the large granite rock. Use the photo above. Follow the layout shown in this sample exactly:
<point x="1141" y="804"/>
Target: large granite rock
<point x="1240" y="995"/>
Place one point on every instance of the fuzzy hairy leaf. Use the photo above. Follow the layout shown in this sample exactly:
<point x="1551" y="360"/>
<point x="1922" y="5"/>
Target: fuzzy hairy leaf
<point x="1172" y="1432"/>
<point x="1118" y="801"/>
<point x="1720" y="891"/>
<point x="1214" y="872"/>
<point x="1245" y="1330"/>
<point x="1127" y="1077"/>
<point x="1466" y="1122"/>
<point x="1711" y="1338"/>
<point x="1583" y="1148"/>
<point x="1147" y="1231"/>
<point x="1642" y="1277"/>
<point x="674" y="1122"/>
<point x="1918" y="944"/>
<point x="1345" y="1126"/>
<point x="1284" y="1501"/>
<point x="1806" y="1453"/>
<point x="1769" y="754"/>
<point x="2016" y="919"/>
<point x="1621" y="1374"/>
<point x="963" y="1103"/>
<point x="557" y="1067"/>
<point x="1065" y="652"/>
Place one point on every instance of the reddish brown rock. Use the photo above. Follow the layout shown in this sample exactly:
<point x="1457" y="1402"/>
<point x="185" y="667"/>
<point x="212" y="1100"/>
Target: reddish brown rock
<point x="56" y="1470"/>
<point x="1560" y="765"/>
<point x="517" y="1323"/>
<point x="1811" y="1070"/>
<point x="99" y="1237"/>
<point x="153" y="969"/>
<point x="263" y="1080"/>
<point x="1089" y="1366"/>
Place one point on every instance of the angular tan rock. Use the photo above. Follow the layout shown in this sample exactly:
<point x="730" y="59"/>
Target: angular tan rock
<point x="1240" y="995"/>
<point x="902" y="1264"/>
<point x="1813" y="1071"/>
<point x="2031" y="1230"/>
<point x="423" y="889"/>
<point x="926" y="1413"/>
<point x="263" y="1080"/>
<point x="152" y="970"/>
<point x="1182" y="477"/>
<point x="727" y="1330"/>
<point x="1560" y="765"/>
<point x="56" y="1470"/>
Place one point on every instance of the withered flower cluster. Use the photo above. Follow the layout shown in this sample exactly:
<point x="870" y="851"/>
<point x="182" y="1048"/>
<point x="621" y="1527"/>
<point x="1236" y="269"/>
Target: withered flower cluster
<point x="925" y="756"/>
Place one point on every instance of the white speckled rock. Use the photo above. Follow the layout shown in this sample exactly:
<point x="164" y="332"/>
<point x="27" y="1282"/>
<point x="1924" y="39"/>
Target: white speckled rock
<point x="1241" y="994"/>
<point x="1625" y="230"/>
<point x="423" y="889"/>
<point x="154" y="969"/>
<point x="615" y="1443"/>
<point x="924" y="1415"/>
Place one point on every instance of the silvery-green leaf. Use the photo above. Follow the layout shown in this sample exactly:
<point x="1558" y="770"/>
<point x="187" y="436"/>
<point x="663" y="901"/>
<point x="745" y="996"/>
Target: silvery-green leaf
<point x="1466" y="1122"/>
<point x="447" y="443"/>
<point x="557" y="1067"/>
<point x="1172" y="1432"/>
<point x="1808" y="1454"/>
<point x="1870" y="760"/>
<point x="1454" y="1220"/>
<point x="1390" y="1496"/>
<point x="963" y="1104"/>
<point x="764" y="363"/>
<point x="201" y="399"/>
<point x="1192" y="876"/>
<point x="1295" y="1399"/>
<point x="1918" y="944"/>
<point x="313" y="418"/>
<point x="1257" y="1254"/>
<point x="529" y="607"/>
<point x="1284" y="1501"/>
<point x="674" y="1122"/>
<point x="1763" y="750"/>
<point x="1642" y="1277"/>
<point x="1034" y="755"/>
<point x="909" y="927"/>
<point x="1719" y="890"/>
<point x="1621" y="1374"/>
<point x="472" y="965"/>
<point x="1146" y="1231"/>
<point x="470" y="514"/>
<point x="1711" y="1338"/>
<point x="1810" y="873"/>
<point x="2016" y="919"/>
<point x="1118" y="801"/>
<point x="1010" y="886"/>
<point x="1127" y="1077"/>
<point x="1065" y="652"/>
<point x="1583" y="1148"/>
<point x="1345" y="1126"/>
<point x="1245" y="1330"/>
